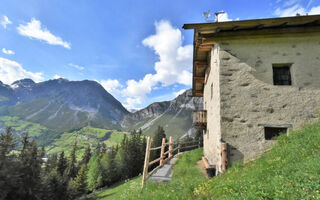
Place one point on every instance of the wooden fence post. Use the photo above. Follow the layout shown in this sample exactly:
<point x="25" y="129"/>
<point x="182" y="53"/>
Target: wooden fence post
<point x="224" y="156"/>
<point x="170" y="147"/>
<point x="163" y="145"/>
<point x="146" y="162"/>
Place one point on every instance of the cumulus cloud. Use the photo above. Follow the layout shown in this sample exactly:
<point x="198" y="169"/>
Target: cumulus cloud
<point x="78" y="67"/>
<point x="113" y="86"/>
<point x="174" y="64"/>
<point x="4" y="21"/>
<point x="7" y="51"/>
<point x="33" y="29"/>
<point x="56" y="76"/>
<point x="315" y="11"/>
<point x="11" y="71"/>
<point x="173" y="67"/>
<point x="179" y="92"/>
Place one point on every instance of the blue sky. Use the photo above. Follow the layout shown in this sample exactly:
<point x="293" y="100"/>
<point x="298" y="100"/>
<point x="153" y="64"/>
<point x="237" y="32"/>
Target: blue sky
<point x="135" y="49"/>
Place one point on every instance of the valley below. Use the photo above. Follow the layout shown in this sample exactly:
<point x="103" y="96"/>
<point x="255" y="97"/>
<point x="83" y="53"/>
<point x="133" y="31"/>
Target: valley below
<point x="58" y="113"/>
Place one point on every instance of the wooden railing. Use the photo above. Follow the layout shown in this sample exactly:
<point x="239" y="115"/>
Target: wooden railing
<point x="200" y="119"/>
<point x="164" y="156"/>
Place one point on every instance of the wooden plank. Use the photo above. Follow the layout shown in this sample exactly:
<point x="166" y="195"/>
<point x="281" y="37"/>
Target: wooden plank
<point x="154" y="161"/>
<point x="205" y="163"/>
<point x="170" y="147"/>
<point x="162" y="150"/>
<point x="276" y="126"/>
<point x="155" y="148"/>
<point x="263" y="33"/>
<point x="167" y="152"/>
<point x="224" y="156"/>
<point x="199" y="79"/>
<point x="252" y="22"/>
<point x="146" y="163"/>
<point x="166" y="160"/>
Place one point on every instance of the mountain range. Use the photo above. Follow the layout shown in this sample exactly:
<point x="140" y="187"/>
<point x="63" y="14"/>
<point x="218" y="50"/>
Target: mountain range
<point x="62" y="106"/>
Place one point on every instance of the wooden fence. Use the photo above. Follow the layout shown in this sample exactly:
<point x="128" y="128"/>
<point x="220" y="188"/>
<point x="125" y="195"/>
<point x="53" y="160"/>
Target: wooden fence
<point x="173" y="149"/>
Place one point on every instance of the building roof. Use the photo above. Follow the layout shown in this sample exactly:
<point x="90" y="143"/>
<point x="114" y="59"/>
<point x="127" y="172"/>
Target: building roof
<point x="208" y="34"/>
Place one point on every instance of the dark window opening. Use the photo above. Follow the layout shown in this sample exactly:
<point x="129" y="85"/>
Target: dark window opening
<point x="270" y="133"/>
<point x="281" y="75"/>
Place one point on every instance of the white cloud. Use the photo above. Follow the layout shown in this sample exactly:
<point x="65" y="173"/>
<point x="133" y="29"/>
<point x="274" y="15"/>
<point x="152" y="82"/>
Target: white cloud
<point x="113" y="86"/>
<point x="76" y="66"/>
<point x="291" y="11"/>
<point x="223" y="17"/>
<point x="56" y="76"/>
<point x="290" y="2"/>
<point x="7" y="51"/>
<point x="4" y="21"/>
<point x="314" y="10"/>
<point x="33" y="29"/>
<point x="179" y="92"/>
<point x="11" y="71"/>
<point x="174" y="65"/>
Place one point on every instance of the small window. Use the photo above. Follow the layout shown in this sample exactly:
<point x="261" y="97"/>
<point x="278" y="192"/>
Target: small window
<point x="281" y="74"/>
<point x="271" y="132"/>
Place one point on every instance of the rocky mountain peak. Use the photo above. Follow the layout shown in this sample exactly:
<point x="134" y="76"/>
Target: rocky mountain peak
<point x="26" y="83"/>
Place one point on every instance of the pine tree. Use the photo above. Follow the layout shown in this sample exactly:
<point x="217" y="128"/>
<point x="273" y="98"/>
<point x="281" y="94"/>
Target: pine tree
<point x="30" y="170"/>
<point x="62" y="164"/>
<point x="7" y="144"/>
<point x="9" y="167"/>
<point x="86" y="156"/>
<point x="72" y="164"/>
<point x="95" y="178"/>
<point x="79" y="184"/>
<point x="56" y="186"/>
<point x="51" y="163"/>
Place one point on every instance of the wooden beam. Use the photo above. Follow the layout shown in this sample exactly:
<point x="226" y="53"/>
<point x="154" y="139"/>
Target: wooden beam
<point x="198" y="94"/>
<point x="252" y="23"/>
<point x="199" y="79"/>
<point x="205" y="47"/>
<point x="200" y="64"/>
<point x="262" y="33"/>
<point x="146" y="163"/>
<point x="162" y="151"/>
<point x="206" y="164"/>
<point x="224" y="156"/>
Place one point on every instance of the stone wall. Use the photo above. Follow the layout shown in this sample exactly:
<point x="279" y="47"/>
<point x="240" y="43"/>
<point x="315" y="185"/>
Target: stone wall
<point x="249" y="98"/>
<point x="212" y="146"/>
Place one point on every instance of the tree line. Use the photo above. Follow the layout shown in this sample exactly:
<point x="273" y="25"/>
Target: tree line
<point x="24" y="174"/>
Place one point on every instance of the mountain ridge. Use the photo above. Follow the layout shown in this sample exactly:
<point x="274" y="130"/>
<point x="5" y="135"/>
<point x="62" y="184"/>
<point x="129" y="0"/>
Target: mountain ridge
<point x="64" y="105"/>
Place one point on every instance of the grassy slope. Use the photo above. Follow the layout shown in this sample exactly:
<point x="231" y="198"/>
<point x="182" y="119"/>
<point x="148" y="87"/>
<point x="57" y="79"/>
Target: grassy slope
<point x="174" y="125"/>
<point x="34" y="130"/>
<point x="291" y="170"/>
<point x="84" y="137"/>
<point x="179" y="188"/>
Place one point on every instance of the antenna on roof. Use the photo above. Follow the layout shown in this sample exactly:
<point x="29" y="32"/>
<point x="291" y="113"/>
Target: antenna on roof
<point x="217" y="15"/>
<point x="207" y="15"/>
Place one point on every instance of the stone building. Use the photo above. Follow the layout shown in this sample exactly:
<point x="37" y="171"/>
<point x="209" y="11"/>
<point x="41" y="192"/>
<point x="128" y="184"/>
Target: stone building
<point x="258" y="79"/>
